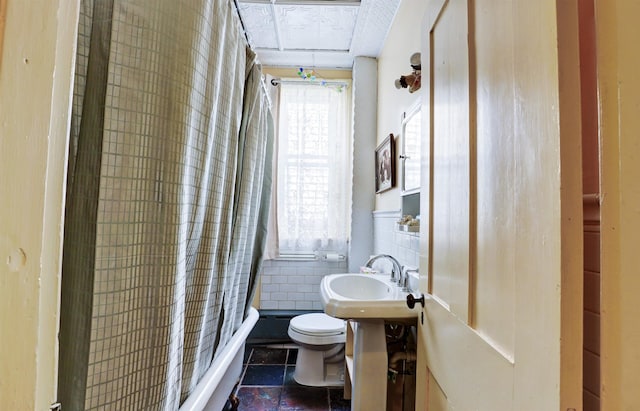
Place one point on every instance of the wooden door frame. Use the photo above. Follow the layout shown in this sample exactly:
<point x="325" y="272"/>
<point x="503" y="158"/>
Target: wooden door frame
<point x="618" y="59"/>
<point x="37" y="60"/>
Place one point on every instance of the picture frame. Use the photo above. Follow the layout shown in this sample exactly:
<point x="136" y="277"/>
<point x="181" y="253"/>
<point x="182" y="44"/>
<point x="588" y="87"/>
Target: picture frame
<point x="385" y="165"/>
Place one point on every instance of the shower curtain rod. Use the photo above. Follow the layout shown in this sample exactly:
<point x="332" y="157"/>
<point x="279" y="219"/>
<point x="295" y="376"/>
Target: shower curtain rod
<point x="244" y="29"/>
<point x="246" y="36"/>
<point x="277" y="81"/>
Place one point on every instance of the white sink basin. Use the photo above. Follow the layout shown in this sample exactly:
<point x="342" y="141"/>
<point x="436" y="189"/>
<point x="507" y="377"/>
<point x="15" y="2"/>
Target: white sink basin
<point x="358" y="296"/>
<point x="360" y="287"/>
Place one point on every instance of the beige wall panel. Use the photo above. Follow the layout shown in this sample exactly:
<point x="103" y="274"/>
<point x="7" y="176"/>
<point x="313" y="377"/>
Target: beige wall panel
<point x="3" y="14"/>
<point x="293" y="72"/>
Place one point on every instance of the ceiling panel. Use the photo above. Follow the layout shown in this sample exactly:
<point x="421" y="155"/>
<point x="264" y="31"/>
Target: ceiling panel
<point x="258" y="21"/>
<point x="308" y="59"/>
<point x="316" y="28"/>
<point x="316" y="33"/>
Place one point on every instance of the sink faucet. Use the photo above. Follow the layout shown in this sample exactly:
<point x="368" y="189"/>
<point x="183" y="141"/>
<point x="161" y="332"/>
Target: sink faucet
<point x="395" y="271"/>
<point x="404" y="279"/>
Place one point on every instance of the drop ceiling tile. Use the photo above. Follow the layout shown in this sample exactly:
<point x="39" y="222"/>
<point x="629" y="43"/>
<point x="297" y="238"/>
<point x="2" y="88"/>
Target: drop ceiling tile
<point x="316" y="33"/>
<point x="373" y="25"/>
<point x="318" y="59"/>
<point x="316" y="28"/>
<point x="259" y="24"/>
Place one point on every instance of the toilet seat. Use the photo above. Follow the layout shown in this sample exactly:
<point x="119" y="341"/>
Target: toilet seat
<point x="317" y="329"/>
<point x="317" y="324"/>
<point x="321" y="341"/>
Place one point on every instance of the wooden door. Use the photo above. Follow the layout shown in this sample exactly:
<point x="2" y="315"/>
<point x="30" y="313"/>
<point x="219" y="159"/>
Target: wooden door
<point x="501" y="258"/>
<point x="37" y="46"/>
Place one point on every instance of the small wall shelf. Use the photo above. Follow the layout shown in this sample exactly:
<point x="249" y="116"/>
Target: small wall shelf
<point x="408" y="228"/>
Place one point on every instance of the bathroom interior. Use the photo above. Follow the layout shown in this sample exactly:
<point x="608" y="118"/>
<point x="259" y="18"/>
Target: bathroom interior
<point x="195" y="290"/>
<point x="325" y="166"/>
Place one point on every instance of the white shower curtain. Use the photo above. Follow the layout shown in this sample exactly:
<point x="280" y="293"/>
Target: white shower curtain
<point x="169" y="181"/>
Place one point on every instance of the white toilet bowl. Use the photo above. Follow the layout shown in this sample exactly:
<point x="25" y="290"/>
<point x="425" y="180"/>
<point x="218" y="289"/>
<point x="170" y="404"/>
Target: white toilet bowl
<point x="321" y="340"/>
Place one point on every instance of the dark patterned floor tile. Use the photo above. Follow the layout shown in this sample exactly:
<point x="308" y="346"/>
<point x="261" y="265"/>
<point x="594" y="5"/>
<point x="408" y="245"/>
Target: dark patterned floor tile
<point x="264" y="375"/>
<point x="263" y="355"/>
<point x="337" y="401"/>
<point x="288" y="376"/>
<point x="259" y="398"/>
<point x="301" y="398"/>
<point x="293" y="356"/>
<point x="247" y="354"/>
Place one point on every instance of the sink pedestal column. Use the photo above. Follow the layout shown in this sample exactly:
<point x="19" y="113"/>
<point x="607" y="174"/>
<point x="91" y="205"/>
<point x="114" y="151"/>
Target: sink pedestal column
<point x="368" y="373"/>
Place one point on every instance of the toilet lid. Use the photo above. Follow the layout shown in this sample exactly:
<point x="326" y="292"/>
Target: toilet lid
<point x="317" y="324"/>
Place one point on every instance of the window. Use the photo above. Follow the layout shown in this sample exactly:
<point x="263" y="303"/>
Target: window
<point x="314" y="169"/>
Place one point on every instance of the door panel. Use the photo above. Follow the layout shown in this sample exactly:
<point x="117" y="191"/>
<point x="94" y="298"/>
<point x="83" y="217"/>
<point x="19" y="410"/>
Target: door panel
<point x="494" y="288"/>
<point x="436" y="395"/>
<point x="502" y="202"/>
<point x="450" y="77"/>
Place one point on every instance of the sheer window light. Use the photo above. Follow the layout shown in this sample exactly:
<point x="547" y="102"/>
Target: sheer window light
<point x="314" y="169"/>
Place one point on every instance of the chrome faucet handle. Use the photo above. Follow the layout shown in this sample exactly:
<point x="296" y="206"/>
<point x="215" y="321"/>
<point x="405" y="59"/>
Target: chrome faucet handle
<point x="400" y="278"/>
<point x="395" y="277"/>
<point x="405" y="279"/>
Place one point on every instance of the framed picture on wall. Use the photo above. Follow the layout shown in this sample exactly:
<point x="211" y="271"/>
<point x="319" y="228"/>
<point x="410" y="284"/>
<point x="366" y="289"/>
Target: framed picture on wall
<point x="385" y="165"/>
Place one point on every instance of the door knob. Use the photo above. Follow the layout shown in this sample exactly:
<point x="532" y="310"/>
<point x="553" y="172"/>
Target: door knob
<point x="411" y="300"/>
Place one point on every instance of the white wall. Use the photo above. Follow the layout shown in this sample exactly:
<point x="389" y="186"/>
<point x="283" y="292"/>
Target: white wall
<point x="404" y="246"/>
<point x="402" y="41"/>
<point x="365" y="98"/>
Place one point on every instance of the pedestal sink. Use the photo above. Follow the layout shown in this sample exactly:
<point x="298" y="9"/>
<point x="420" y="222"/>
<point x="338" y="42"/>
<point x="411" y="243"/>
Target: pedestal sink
<point x="367" y="301"/>
<point x="358" y="296"/>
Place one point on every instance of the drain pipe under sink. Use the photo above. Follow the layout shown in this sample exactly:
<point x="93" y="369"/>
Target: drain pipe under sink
<point x="401" y="356"/>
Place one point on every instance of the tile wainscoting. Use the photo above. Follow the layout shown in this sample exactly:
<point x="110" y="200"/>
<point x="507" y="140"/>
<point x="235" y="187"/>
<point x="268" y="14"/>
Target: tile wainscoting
<point x="295" y="285"/>
<point x="387" y="239"/>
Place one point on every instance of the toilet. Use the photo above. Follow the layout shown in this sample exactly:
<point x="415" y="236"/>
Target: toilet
<point x="320" y="339"/>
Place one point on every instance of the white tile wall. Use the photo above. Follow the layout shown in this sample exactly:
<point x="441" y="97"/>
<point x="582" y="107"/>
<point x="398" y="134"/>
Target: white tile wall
<point x="387" y="240"/>
<point x="295" y="285"/>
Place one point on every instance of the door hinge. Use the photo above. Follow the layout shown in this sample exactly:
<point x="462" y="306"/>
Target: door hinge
<point x="56" y="406"/>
